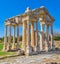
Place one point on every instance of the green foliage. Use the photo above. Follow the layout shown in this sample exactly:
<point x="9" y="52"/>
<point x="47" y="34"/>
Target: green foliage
<point x="20" y="38"/>
<point x="56" y="38"/>
<point x="1" y="46"/>
<point x="1" y="40"/>
<point x="20" y="45"/>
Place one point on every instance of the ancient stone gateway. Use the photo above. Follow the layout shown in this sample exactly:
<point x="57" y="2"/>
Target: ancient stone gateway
<point x="27" y="21"/>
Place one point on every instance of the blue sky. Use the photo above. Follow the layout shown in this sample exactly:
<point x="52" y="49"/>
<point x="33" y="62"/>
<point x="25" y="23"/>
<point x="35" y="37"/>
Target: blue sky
<point x="9" y="8"/>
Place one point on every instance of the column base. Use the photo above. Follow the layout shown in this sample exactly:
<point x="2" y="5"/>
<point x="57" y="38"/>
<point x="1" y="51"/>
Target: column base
<point x="24" y="49"/>
<point x="37" y="49"/>
<point x="8" y="47"/>
<point x="41" y="49"/>
<point x="4" y="48"/>
<point x="46" y="49"/>
<point x="14" y="47"/>
<point x="17" y="46"/>
<point x="53" y="48"/>
<point x="28" y="51"/>
<point x="49" y="48"/>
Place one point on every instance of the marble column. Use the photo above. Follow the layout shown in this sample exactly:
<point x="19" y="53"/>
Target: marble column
<point x="5" y="39"/>
<point x="18" y="46"/>
<point x="13" y="45"/>
<point x="37" y="46"/>
<point x="52" y="41"/>
<point x="41" y="37"/>
<point x="48" y="33"/>
<point x="24" y="37"/>
<point x="28" y="48"/>
<point x="32" y="35"/>
<point x="9" y="39"/>
<point x="46" y="40"/>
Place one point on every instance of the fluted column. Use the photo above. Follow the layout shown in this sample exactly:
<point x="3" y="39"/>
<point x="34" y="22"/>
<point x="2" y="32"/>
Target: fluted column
<point x="18" y="37"/>
<point x="41" y="37"/>
<point x="32" y="35"/>
<point x="5" y="39"/>
<point x="24" y="37"/>
<point x="9" y="39"/>
<point x="46" y="41"/>
<point x="52" y="41"/>
<point x="37" y="46"/>
<point x="28" y="48"/>
<point x="13" y="45"/>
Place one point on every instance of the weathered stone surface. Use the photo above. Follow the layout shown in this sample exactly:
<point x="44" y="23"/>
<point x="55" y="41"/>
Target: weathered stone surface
<point x="35" y="59"/>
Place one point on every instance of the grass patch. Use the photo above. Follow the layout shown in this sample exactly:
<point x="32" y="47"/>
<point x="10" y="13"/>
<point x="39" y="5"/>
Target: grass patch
<point x="1" y="46"/>
<point x="7" y="53"/>
<point x="20" y="45"/>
